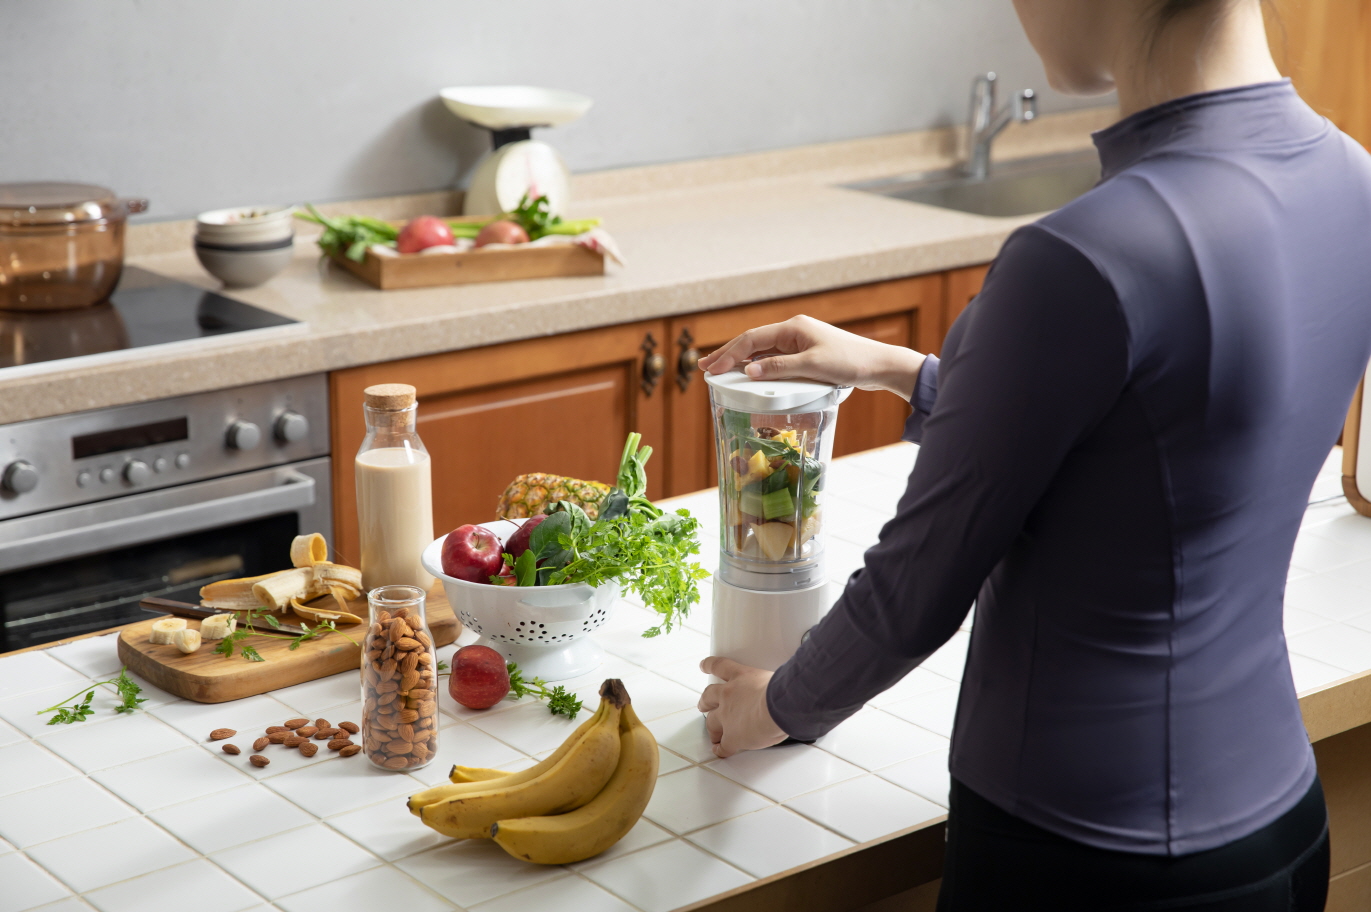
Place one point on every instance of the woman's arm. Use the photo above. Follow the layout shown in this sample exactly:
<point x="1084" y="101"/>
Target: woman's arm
<point x="1030" y="369"/>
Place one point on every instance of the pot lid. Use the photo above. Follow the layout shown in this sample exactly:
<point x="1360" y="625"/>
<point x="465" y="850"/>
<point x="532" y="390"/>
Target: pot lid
<point x="52" y="202"/>
<point x="736" y="390"/>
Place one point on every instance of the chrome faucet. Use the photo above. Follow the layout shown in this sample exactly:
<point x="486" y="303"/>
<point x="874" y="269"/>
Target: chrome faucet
<point x="986" y="123"/>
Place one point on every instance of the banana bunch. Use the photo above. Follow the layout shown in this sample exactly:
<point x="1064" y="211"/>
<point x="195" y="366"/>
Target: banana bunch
<point x="311" y="576"/>
<point x="575" y="804"/>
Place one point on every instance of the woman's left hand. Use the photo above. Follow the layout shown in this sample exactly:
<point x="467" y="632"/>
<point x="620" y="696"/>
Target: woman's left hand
<point x="735" y="711"/>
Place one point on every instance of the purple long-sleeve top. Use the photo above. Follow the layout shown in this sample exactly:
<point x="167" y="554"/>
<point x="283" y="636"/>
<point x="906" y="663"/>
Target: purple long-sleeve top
<point x="1117" y="450"/>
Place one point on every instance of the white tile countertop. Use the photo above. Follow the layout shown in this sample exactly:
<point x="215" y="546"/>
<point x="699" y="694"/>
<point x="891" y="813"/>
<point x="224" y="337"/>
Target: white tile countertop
<point x="141" y="812"/>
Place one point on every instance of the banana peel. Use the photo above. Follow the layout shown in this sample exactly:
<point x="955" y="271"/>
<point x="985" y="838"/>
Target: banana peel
<point x="310" y="577"/>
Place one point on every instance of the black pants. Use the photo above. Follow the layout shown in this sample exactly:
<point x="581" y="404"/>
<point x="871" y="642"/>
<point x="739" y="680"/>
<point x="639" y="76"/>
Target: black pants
<point x="997" y="862"/>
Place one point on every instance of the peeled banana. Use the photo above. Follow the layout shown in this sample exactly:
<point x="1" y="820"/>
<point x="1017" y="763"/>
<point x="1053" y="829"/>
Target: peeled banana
<point x="186" y="639"/>
<point x="593" y="827"/>
<point x="163" y="629"/>
<point x="311" y="577"/>
<point x="573" y="781"/>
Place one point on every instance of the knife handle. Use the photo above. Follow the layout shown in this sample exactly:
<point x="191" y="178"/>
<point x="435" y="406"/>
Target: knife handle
<point x="179" y="609"/>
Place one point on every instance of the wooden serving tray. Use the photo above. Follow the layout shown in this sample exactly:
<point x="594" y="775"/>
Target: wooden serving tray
<point x="207" y="677"/>
<point x="502" y="264"/>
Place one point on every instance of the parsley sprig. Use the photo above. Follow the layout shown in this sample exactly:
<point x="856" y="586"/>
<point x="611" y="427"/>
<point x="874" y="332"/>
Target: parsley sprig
<point x="245" y="630"/>
<point x="123" y="685"/>
<point x="560" y="702"/>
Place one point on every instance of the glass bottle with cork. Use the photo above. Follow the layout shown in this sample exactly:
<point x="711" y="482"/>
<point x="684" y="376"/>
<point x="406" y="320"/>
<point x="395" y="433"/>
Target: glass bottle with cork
<point x="394" y="490"/>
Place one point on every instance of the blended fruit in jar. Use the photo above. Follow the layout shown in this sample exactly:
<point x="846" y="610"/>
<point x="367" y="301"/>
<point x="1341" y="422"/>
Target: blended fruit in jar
<point x="395" y="515"/>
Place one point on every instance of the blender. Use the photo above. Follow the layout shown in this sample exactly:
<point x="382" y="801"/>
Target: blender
<point x="774" y="443"/>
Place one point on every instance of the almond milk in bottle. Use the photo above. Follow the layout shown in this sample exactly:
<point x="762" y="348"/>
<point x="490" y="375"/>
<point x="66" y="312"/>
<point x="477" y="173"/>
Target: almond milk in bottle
<point x="394" y="490"/>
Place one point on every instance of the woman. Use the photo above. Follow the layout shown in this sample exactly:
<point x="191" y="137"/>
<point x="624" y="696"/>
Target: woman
<point x="1116" y="453"/>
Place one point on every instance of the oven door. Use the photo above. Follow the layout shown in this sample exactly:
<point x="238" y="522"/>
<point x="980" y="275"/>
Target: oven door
<point x="77" y="570"/>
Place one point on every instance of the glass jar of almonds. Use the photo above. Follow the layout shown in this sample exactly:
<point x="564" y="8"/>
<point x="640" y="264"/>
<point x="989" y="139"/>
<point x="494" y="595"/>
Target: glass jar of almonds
<point x="399" y="675"/>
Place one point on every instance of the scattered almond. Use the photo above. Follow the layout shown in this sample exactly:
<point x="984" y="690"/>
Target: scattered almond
<point x="325" y="734"/>
<point x="258" y="760"/>
<point x="279" y="737"/>
<point x="307" y="731"/>
<point x="294" y="741"/>
<point x="296" y="723"/>
<point x="350" y="727"/>
<point x="261" y="743"/>
<point x="321" y="723"/>
<point x="349" y="750"/>
<point x="273" y="729"/>
<point x="219" y="734"/>
<point x="309" y="748"/>
<point x="230" y="749"/>
<point x="338" y="744"/>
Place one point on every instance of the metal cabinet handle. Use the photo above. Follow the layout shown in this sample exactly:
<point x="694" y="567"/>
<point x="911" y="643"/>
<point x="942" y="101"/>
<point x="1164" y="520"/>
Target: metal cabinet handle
<point x="654" y="364"/>
<point x="688" y="362"/>
<point x="138" y="518"/>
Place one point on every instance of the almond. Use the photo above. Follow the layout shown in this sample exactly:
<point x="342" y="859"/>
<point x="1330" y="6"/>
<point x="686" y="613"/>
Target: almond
<point x="396" y="763"/>
<point x="309" y="748"/>
<point x="279" y="737"/>
<point x="321" y="723"/>
<point x="349" y="750"/>
<point x="349" y="727"/>
<point x="296" y="723"/>
<point x="230" y="749"/>
<point x="325" y="734"/>
<point x="408" y="715"/>
<point x="261" y="743"/>
<point x="258" y="760"/>
<point x="219" y="734"/>
<point x="338" y="744"/>
<point x="273" y="729"/>
<point x="307" y="731"/>
<point x="294" y="741"/>
<point x="405" y="644"/>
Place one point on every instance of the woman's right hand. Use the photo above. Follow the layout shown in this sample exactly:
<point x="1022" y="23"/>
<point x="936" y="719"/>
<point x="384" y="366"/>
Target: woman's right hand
<point x="803" y="347"/>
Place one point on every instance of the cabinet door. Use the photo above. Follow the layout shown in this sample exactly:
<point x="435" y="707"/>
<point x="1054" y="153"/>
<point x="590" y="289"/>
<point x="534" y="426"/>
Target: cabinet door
<point x="902" y="312"/>
<point x="961" y="285"/>
<point x="562" y="405"/>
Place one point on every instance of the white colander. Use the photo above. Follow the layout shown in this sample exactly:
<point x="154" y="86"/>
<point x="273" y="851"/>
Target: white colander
<point x="542" y="628"/>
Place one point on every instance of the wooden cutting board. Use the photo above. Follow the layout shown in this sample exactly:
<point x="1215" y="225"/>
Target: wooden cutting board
<point x="208" y="677"/>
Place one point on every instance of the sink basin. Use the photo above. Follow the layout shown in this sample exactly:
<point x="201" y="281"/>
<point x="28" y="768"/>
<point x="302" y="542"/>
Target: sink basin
<point x="1017" y="188"/>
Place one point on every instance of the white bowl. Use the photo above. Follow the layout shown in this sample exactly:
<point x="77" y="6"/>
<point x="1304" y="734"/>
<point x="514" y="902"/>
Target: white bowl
<point x="502" y="107"/>
<point x="244" y="268"/>
<point x="245" y="224"/>
<point x="545" y="629"/>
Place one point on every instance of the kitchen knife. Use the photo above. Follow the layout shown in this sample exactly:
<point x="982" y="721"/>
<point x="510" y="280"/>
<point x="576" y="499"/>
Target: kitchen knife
<point x="187" y="610"/>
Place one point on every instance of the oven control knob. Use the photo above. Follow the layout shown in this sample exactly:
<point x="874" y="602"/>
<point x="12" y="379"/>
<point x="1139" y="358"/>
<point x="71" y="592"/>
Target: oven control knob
<point x="243" y="435"/>
<point x="20" y="477"/>
<point x="292" y="427"/>
<point x="137" y="472"/>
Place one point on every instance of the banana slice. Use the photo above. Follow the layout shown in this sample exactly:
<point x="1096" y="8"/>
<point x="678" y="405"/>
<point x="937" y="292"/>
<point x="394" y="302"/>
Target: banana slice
<point x="186" y="640"/>
<point x="217" y="626"/>
<point x="308" y="550"/>
<point x="163" y="629"/>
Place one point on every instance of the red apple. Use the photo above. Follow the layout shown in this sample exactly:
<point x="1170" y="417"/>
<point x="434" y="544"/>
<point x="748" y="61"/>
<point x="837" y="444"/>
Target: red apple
<point x="472" y="553"/>
<point x="518" y="542"/>
<point x="479" y="677"/>
<point x="423" y="232"/>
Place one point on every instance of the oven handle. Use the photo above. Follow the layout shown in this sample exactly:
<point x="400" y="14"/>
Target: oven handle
<point x="287" y="490"/>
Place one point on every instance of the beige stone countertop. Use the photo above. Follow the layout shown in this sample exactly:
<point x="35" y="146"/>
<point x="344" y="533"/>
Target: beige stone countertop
<point x="695" y="236"/>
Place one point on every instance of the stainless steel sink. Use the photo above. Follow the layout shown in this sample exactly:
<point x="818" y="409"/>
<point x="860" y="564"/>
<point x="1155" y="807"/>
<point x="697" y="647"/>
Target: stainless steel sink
<point x="1016" y="188"/>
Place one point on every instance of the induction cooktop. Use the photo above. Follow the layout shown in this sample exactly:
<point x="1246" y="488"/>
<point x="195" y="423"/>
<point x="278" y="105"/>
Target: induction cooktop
<point x="145" y="309"/>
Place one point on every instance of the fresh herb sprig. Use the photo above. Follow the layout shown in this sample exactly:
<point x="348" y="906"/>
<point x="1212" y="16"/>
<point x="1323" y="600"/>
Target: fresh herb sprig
<point x="245" y="630"/>
<point x="123" y="685"/>
<point x="560" y="702"/>
<point x="535" y="216"/>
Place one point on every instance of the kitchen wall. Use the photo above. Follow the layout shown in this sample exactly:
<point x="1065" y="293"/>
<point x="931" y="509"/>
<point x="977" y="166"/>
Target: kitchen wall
<point x="199" y="105"/>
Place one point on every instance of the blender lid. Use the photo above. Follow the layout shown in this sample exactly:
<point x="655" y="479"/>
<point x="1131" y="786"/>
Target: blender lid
<point x="736" y="390"/>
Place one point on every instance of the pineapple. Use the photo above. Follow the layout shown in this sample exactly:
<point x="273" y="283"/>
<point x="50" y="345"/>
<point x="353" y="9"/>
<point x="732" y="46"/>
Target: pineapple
<point x="527" y="495"/>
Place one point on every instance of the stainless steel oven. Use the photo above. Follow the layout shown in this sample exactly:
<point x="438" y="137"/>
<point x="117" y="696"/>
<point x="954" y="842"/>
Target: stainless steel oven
<point x="100" y="509"/>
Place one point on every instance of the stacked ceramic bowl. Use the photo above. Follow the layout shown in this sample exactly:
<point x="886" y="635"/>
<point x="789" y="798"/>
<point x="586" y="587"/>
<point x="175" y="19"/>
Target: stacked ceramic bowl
<point x="245" y="246"/>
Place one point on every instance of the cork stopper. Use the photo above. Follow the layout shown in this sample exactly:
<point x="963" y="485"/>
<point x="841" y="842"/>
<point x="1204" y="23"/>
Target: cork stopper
<point x="390" y="396"/>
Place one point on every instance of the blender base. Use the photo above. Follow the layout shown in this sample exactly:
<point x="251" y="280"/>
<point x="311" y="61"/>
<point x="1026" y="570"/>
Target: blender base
<point x="763" y="629"/>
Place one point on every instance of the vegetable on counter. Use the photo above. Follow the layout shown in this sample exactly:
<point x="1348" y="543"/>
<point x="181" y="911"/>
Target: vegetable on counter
<point x="123" y="685"/>
<point x="351" y="235"/>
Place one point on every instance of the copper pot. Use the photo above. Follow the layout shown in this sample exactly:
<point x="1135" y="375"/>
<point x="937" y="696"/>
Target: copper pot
<point x="61" y="245"/>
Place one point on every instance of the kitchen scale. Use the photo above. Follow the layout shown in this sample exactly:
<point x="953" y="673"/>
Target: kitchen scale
<point x="774" y="444"/>
<point x="518" y="164"/>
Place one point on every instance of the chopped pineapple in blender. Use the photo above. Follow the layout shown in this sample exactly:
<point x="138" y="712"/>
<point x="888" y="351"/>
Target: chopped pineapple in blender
<point x="774" y="538"/>
<point x="758" y="467"/>
<point x="790" y="436"/>
<point x="810" y="527"/>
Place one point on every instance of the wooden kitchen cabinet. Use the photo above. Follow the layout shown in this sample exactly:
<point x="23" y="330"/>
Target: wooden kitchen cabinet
<point x="561" y="404"/>
<point x="901" y="312"/>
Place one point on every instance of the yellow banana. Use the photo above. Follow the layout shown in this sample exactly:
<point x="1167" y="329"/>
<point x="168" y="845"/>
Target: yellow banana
<point x="594" y="827"/>
<point x="459" y="787"/>
<point x="574" y="780"/>
<point x="476" y="774"/>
